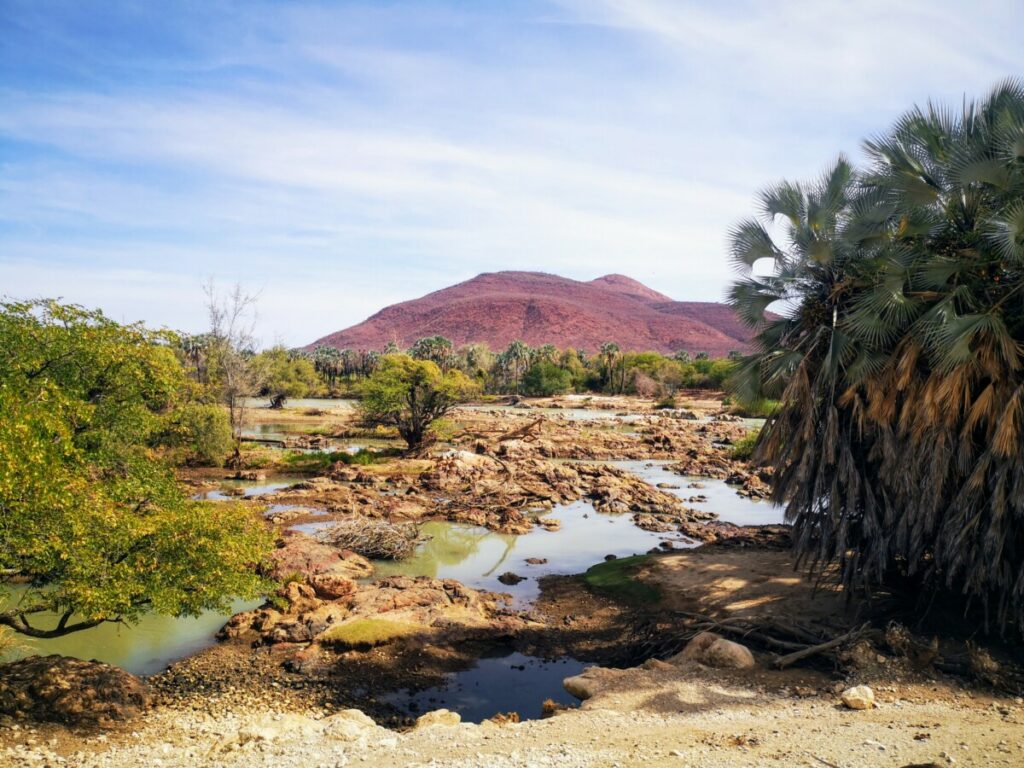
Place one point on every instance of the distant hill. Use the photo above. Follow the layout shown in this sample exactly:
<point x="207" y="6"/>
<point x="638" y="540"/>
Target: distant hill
<point x="498" y="307"/>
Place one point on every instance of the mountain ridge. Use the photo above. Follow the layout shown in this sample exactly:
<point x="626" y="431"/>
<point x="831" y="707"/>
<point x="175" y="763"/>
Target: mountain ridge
<point x="539" y="308"/>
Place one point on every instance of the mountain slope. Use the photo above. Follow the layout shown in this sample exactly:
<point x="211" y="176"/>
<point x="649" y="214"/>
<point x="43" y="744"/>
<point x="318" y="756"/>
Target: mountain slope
<point x="498" y="307"/>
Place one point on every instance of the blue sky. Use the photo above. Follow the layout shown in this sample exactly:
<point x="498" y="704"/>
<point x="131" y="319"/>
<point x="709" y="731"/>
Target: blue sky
<point x="338" y="157"/>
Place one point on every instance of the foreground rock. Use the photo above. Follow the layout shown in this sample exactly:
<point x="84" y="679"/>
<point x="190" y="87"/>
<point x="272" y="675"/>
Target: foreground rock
<point x="66" y="690"/>
<point x="715" y="651"/>
<point x="858" y="697"/>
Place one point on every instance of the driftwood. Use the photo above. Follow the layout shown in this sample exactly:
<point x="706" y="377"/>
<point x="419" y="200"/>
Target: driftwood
<point x="376" y="539"/>
<point x="812" y="650"/>
<point x="527" y="433"/>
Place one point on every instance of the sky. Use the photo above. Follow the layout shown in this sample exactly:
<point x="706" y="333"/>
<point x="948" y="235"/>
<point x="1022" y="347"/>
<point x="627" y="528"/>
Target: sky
<point x="338" y="157"/>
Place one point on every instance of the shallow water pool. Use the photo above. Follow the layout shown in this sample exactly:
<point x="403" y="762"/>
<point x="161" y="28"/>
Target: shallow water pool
<point x="508" y="683"/>
<point x="478" y="556"/>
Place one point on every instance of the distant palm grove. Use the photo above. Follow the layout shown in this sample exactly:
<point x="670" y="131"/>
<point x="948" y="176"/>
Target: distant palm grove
<point x="518" y="369"/>
<point x="899" y="356"/>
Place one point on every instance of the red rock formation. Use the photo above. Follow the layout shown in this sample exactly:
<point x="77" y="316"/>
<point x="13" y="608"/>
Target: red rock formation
<point x="498" y="307"/>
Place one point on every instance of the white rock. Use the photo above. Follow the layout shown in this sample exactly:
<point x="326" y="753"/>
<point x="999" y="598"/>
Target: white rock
<point x="438" y="717"/>
<point x="858" y="697"/>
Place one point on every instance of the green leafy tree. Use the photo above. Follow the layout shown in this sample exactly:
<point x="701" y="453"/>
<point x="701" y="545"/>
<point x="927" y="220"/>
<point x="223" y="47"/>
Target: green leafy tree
<point x="898" y="355"/>
<point x="411" y="395"/>
<point x="545" y="379"/>
<point x="284" y="374"/>
<point x="90" y="513"/>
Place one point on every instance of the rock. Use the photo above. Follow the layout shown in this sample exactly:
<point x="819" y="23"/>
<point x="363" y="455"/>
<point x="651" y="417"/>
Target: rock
<point x="511" y="579"/>
<point x="301" y="554"/>
<point x="348" y="725"/>
<point x="715" y="651"/>
<point x="438" y="717"/>
<point x="332" y="586"/>
<point x="728" y="655"/>
<point x="277" y="727"/>
<point x="858" y="697"/>
<point x="536" y="561"/>
<point x="62" y="689"/>
<point x="591" y="681"/>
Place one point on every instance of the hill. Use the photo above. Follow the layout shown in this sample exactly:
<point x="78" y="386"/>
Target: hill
<point x="497" y="307"/>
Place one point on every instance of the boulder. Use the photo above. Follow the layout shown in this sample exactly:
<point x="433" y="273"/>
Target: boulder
<point x="858" y="697"/>
<point x="715" y="651"/>
<point x="511" y="579"/>
<point x="66" y="690"/>
<point x="438" y="717"/>
<point x="728" y="655"/>
<point x="332" y="586"/>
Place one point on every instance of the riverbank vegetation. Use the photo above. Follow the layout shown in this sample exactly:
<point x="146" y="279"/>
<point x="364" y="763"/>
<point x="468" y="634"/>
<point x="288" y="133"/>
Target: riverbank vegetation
<point x="899" y="359"/>
<point x="280" y="374"/>
<point x="91" y="516"/>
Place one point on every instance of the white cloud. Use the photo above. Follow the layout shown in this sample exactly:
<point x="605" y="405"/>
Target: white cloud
<point x="344" y="158"/>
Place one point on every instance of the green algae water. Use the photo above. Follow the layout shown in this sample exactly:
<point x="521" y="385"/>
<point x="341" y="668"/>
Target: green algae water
<point x="143" y="648"/>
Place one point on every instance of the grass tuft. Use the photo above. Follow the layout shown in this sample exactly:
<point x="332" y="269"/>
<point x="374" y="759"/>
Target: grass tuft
<point x="364" y="634"/>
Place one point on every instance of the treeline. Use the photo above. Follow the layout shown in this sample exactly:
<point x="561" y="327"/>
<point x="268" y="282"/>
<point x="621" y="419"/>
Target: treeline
<point x="279" y="373"/>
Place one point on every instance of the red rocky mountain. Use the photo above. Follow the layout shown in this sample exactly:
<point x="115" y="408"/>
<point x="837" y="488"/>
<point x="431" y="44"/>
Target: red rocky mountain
<point x="497" y="307"/>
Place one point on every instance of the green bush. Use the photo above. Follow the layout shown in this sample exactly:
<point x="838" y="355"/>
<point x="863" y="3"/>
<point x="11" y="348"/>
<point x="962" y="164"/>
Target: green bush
<point x="545" y="379"/>
<point x="743" y="449"/>
<point x="668" y="402"/>
<point x="201" y="433"/>
<point x="759" y="409"/>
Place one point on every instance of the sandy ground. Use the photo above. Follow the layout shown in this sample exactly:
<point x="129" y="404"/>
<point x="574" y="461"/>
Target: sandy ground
<point x="687" y="716"/>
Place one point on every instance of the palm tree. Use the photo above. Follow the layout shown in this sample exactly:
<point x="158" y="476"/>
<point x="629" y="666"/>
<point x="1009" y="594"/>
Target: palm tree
<point x="516" y="358"/>
<point x="609" y="354"/>
<point x="899" y="354"/>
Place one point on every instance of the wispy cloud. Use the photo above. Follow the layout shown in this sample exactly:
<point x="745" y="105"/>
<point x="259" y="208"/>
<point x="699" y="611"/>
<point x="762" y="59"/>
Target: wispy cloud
<point x="344" y="156"/>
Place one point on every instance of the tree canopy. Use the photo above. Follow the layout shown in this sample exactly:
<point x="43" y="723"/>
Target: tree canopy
<point x="412" y="394"/>
<point x="899" y="354"/>
<point x="90" y="513"/>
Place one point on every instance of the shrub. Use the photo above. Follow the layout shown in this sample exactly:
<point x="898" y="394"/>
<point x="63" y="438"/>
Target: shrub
<point x="202" y="433"/>
<point x="545" y="379"/>
<point x="743" y="449"/>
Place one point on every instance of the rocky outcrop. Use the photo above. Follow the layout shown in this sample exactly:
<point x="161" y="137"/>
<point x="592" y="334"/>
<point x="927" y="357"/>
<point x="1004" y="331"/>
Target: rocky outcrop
<point x="391" y="609"/>
<point x="305" y="556"/>
<point x="66" y="690"/>
<point x="486" y="490"/>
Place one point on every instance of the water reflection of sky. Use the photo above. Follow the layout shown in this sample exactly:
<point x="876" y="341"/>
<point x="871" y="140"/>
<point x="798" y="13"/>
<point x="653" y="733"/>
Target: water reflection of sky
<point x="477" y="556"/>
